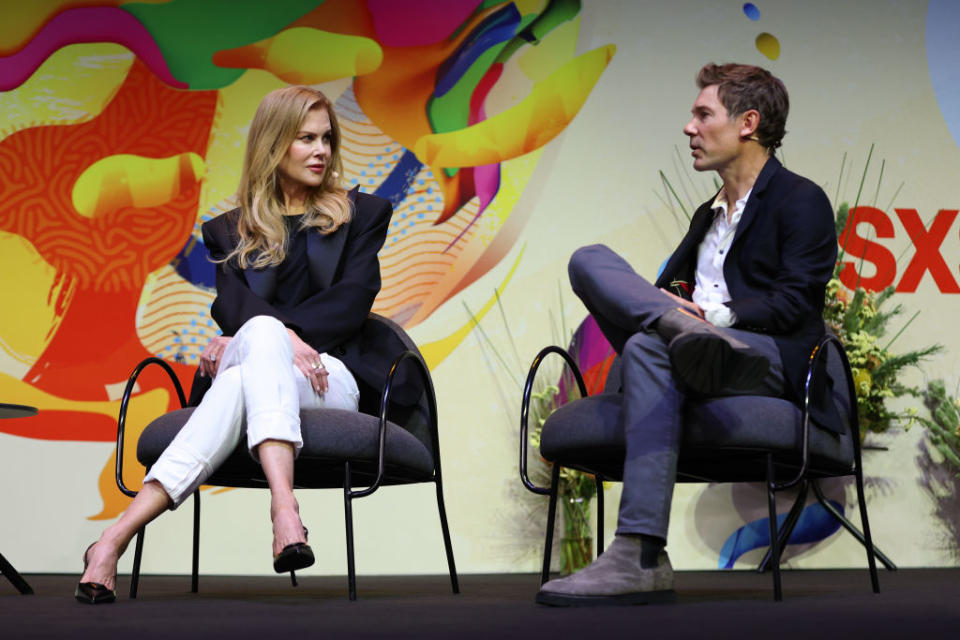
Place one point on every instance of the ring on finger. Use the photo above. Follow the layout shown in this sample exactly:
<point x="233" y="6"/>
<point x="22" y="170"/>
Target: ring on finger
<point x="213" y="357"/>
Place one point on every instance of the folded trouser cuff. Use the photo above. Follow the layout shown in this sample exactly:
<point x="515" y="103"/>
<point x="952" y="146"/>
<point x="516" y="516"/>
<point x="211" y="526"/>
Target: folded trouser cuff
<point x="180" y="471"/>
<point x="273" y="425"/>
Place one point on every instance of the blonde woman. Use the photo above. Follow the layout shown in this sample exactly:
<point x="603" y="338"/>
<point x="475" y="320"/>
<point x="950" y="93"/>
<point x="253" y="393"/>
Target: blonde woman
<point x="297" y="273"/>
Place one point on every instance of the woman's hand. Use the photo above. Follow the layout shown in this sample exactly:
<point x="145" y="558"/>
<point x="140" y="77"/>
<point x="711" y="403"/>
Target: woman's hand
<point x="307" y="360"/>
<point x="211" y="357"/>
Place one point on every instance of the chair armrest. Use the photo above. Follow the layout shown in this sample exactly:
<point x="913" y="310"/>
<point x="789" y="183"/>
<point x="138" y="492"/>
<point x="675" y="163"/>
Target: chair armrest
<point x="424" y="374"/>
<point x="525" y="408"/>
<point x="122" y="417"/>
<point x="814" y="371"/>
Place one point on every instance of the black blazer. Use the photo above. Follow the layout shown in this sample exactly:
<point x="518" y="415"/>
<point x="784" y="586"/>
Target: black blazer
<point x="344" y="280"/>
<point x="782" y="255"/>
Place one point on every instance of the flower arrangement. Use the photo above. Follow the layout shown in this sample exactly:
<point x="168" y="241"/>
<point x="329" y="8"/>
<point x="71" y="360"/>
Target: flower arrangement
<point x="944" y="422"/>
<point x="859" y="320"/>
<point x="576" y="489"/>
<point x="553" y="388"/>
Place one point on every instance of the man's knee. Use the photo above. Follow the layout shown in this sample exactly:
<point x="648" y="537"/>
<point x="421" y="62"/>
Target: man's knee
<point x="582" y="261"/>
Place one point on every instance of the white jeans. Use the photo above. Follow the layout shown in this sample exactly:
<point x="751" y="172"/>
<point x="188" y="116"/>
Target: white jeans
<point x="256" y="381"/>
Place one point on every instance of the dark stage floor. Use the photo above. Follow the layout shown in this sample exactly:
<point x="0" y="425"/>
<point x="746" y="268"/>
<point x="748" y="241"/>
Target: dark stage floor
<point x="922" y="603"/>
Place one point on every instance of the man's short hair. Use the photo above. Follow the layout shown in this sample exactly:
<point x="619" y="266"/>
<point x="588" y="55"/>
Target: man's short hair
<point x="742" y="87"/>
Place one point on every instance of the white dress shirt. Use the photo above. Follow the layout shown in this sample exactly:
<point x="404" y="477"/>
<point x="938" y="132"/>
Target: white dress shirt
<point x="710" y="291"/>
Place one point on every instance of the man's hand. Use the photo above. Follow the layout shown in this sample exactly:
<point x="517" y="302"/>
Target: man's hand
<point x="211" y="357"/>
<point x="307" y="360"/>
<point x="689" y="305"/>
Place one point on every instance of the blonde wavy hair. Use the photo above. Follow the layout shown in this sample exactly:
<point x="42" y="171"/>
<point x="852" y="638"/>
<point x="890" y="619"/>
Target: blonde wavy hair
<point x="260" y="228"/>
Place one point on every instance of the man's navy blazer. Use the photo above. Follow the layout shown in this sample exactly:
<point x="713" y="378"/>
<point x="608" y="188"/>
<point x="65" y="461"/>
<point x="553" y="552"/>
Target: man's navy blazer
<point x="344" y="280"/>
<point x="783" y="253"/>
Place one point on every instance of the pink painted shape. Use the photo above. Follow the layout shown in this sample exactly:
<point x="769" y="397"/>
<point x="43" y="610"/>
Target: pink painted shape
<point x="415" y="23"/>
<point x="86" y="25"/>
<point x="486" y="178"/>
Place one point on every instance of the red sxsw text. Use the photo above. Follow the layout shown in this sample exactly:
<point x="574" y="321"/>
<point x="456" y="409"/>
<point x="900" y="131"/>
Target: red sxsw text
<point x="857" y="251"/>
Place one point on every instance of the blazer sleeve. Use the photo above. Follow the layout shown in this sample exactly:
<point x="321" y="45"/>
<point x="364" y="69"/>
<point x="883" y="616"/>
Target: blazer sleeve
<point x="235" y="302"/>
<point x="787" y="273"/>
<point x="327" y="318"/>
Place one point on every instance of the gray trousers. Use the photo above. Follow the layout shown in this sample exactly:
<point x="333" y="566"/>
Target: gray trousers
<point x="626" y="307"/>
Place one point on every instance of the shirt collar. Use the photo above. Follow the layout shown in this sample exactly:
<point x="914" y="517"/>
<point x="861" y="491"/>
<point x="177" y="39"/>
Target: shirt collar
<point x="720" y="204"/>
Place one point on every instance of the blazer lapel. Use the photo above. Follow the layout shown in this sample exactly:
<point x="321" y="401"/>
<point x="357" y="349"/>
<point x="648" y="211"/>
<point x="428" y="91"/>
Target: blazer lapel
<point x="680" y="260"/>
<point x="324" y="251"/>
<point x="263" y="282"/>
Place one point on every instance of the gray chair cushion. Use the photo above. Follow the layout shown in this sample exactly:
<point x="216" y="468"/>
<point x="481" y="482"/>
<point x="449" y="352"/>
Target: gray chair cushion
<point x="330" y="436"/>
<point x="587" y="434"/>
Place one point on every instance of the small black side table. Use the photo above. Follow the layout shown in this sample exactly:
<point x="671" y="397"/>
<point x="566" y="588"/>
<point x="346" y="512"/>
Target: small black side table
<point x="15" y="411"/>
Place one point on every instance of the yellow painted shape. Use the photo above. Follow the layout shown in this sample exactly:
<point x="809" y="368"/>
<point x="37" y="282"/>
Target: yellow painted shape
<point x="526" y="7"/>
<point x="435" y="352"/>
<point x="768" y="45"/>
<point x="236" y="105"/>
<point x="126" y="180"/>
<point x="550" y="107"/>
<point x="85" y="78"/>
<point x="559" y="45"/>
<point x="302" y="55"/>
<point x="25" y="332"/>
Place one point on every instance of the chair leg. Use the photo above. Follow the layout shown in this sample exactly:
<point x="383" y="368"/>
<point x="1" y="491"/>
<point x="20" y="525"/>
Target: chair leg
<point x="871" y="560"/>
<point x="195" y="575"/>
<point x="788" y="525"/>
<point x="447" y="545"/>
<point x="887" y="562"/>
<point x="599" y="515"/>
<point x="551" y="519"/>
<point x="774" y="539"/>
<point x="348" y="519"/>
<point x="8" y="570"/>
<point x="137" y="556"/>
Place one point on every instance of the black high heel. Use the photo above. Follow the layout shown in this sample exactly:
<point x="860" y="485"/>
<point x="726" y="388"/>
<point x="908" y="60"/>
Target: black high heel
<point x="294" y="556"/>
<point x="94" y="592"/>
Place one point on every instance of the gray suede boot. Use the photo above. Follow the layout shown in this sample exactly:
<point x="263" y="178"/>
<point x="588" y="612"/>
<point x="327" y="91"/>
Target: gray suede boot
<point x="708" y="359"/>
<point x="615" y="578"/>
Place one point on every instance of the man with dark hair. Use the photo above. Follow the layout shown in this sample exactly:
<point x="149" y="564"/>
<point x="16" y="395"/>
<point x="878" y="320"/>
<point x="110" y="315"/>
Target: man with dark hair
<point x="736" y="310"/>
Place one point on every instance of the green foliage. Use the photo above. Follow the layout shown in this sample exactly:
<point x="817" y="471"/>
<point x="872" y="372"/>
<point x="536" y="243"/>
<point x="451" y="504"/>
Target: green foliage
<point x="944" y="422"/>
<point x="860" y="321"/>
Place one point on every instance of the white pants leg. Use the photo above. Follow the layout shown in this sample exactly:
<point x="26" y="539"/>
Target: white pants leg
<point x="257" y="387"/>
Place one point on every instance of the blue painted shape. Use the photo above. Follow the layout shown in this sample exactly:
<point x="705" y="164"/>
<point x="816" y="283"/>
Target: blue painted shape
<point x="815" y="524"/>
<point x="395" y="187"/>
<point x="943" y="49"/>
<point x="751" y="11"/>
<point x="495" y="29"/>
<point x="193" y="264"/>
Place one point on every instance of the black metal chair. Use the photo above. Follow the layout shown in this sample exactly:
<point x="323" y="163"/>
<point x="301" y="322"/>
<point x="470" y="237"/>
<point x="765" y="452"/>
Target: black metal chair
<point x="726" y="439"/>
<point x="341" y="449"/>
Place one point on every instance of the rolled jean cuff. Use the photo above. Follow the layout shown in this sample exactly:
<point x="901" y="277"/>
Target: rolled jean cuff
<point x="180" y="471"/>
<point x="273" y="425"/>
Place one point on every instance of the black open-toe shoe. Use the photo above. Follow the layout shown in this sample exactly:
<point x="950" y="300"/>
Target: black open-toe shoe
<point x="294" y="556"/>
<point x="94" y="592"/>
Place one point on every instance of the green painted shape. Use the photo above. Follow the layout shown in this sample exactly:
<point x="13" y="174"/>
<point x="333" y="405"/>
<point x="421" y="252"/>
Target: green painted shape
<point x="451" y="111"/>
<point x="189" y="32"/>
<point x="556" y="13"/>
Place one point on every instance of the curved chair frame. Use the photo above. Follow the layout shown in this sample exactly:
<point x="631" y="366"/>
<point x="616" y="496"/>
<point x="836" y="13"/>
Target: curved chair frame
<point x="803" y="477"/>
<point x="349" y="494"/>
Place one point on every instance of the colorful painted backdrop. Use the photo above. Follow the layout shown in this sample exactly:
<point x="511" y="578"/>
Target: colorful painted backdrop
<point x="506" y="134"/>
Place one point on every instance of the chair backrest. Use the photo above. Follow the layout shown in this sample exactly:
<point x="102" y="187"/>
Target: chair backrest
<point x="414" y="409"/>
